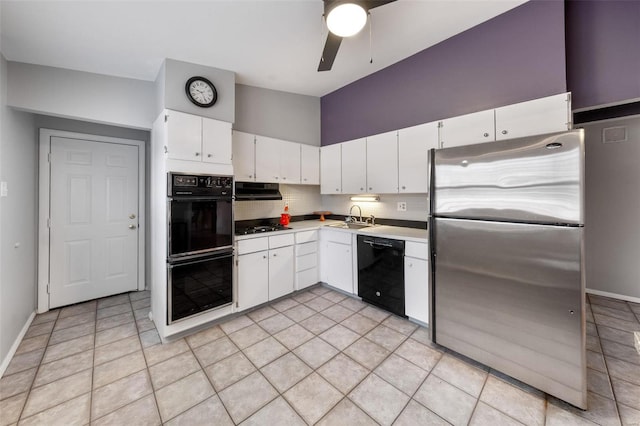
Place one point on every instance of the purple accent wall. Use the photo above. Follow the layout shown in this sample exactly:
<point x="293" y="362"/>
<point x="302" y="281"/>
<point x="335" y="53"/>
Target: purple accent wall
<point x="603" y="51"/>
<point x="514" y="57"/>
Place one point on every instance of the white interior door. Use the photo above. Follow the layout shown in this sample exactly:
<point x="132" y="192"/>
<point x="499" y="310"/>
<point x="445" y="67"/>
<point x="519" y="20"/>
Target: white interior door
<point x="94" y="220"/>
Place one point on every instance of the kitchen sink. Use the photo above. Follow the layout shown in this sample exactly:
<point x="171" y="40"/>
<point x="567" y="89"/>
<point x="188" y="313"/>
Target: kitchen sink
<point x="351" y="225"/>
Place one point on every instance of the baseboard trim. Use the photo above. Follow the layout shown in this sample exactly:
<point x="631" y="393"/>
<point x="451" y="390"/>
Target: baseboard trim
<point x="16" y="343"/>
<point x="614" y="295"/>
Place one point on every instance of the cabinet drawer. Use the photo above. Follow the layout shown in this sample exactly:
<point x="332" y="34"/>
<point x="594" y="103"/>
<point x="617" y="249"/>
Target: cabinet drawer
<point x="306" y="248"/>
<point x="280" y="241"/>
<point x="419" y="250"/>
<point x="339" y="237"/>
<point x="306" y="262"/>
<point x="252" y="245"/>
<point x="306" y="236"/>
<point x="306" y="278"/>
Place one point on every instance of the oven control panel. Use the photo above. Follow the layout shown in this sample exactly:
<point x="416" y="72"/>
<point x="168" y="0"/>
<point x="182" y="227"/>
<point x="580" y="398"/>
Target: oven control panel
<point x="199" y="185"/>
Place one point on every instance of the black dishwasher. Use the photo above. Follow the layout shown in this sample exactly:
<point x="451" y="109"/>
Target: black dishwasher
<point x="381" y="272"/>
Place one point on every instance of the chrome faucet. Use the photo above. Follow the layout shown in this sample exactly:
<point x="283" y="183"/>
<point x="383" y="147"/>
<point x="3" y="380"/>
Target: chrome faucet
<point x="359" y="209"/>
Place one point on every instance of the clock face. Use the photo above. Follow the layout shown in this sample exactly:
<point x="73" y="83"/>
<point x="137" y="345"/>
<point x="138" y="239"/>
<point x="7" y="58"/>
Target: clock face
<point x="201" y="91"/>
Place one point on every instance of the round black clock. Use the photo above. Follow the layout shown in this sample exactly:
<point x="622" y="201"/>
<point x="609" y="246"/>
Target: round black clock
<point x="201" y="92"/>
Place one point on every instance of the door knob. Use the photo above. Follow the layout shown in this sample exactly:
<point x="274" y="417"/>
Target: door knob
<point x="132" y="227"/>
<point x="132" y="216"/>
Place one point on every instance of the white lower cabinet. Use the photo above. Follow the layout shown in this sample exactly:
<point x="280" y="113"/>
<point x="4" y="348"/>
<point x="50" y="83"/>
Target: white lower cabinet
<point x="416" y="281"/>
<point x="280" y="272"/>
<point x="306" y="259"/>
<point x="337" y="260"/>
<point x="253" y="279"/>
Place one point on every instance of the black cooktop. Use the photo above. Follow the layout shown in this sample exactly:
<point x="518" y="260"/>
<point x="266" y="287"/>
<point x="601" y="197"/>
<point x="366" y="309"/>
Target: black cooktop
<point x="260" y="229"/>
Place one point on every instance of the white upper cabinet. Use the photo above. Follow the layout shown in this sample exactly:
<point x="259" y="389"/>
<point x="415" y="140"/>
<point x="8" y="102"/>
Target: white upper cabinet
<point x="354" y="166"/>
<point x="194" y="138"/>
<point x="468" y="129"/>
<point x="289" y="162"/>
<point x="309" y="165"/>
<point x="330" y="169"/>
<point x="215" y="137"/>
<point x="539" y="116"/>
<point x="414" y="144"/>
<point x="243" y="156"/>
<point x="267" y="159"/>
<point x="382" y="163"/>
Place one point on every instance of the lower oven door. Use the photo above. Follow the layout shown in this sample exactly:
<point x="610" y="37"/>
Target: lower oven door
<point x="198" y="285"/>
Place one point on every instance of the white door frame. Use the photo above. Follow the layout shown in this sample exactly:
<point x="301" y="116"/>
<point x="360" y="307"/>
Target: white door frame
<point x="43" y="208"/>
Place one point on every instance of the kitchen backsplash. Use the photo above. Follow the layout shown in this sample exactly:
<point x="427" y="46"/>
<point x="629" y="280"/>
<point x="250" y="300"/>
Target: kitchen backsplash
<point x="387" y="207"/>
<point x="302" y="199"/>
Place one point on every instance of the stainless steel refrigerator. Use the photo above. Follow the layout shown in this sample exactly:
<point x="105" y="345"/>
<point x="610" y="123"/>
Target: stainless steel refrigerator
<point x="507" y="261"/>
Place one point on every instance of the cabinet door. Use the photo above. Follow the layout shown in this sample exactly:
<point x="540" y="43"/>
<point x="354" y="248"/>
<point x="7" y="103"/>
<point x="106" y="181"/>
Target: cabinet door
<point x="339" y="264"/>
<point x="184" y="136"/>
<point x="354" y="166"/>
<point x="267" y="159"/>
<point x="536" y="117"/>
<point x="416" y="289"/>
<point x="414" y="144"/>
<point x="310" y="165"/>
<point x="289" y="162"/>
<point x="216" y="141"/>
<point x="281" y="272"/>
<point x="253" y="276"/>
<point x="243" y="156"/>
<point x="330" y="165"/>
<point x="382" y="163"/>
<point x="468" y="129"/>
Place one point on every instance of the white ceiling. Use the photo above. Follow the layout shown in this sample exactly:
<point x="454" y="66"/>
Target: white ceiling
<point x="270" y="44"/>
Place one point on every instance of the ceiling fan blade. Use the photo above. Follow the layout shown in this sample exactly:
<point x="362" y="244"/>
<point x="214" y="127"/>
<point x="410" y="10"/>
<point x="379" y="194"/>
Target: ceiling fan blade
<point x="330" y="51"/>
<point x="370" y="4"/>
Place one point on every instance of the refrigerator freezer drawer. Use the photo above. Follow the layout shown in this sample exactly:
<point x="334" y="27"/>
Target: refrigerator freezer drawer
<point x="510" y="296"/>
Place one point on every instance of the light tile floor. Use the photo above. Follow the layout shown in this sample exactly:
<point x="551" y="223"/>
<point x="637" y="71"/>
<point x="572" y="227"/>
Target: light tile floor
<point x="316" y="357"/>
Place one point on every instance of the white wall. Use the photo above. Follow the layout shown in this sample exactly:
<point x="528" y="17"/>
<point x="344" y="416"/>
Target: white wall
<point x="18" y="218"/>
<point x="417" y="206"/>
<point x="81" y="95"/>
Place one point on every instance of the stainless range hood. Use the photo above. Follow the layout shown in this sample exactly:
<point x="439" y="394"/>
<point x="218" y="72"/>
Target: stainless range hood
<point x="247" y="191"/>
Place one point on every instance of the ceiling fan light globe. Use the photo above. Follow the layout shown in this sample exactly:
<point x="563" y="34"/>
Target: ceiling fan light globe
<point x="346" y="20"/>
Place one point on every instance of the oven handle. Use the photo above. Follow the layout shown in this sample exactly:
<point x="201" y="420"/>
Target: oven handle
<point x="190" y="260"/>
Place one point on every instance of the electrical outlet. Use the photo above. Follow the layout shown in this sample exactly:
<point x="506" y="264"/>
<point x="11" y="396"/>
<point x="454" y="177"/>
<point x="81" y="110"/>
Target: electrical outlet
<point x="402" y="206"/>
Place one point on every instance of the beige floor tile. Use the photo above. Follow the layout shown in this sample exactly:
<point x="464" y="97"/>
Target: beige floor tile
<point x="317" y="323"/>
<point x="615" y="335"/>
<point x="215" y="351"/>
<point x="422" y="335"/>
<point x="599" y="383"/>
<point x="304" y="296"/>
<point x="421" y="355"/>
<point x="40" y="329"/>
<point x="159" y="353"/>
<point x="265" y="351"/>
<point x="141" y="412"/>
<point x="556" y="416"/>
<point x="80" y="308"/>
<point x="515" y="402"/>
<point x="70" y="333"/>
<point x="208" y="412"/>
<point x="275" y="323"/>
<point x="401" y="325"/>
<point x="376" y="314"/>
<point x="360" y="324"/>
<point x="320" y="290"/>
<point x="334" y="296"/>
<point x="315" y="352"/>
<point x="24" y="362"/>
<point x="623" y="370"/>
<point x="114" y="321"/>
<point x="608" y="302"/>
<point x="11" y="408"/>
<point x="68" y="348"/>
<point x="343" y="373"/>
<point x="150" y="338"/>
<point x="386" y="337"/>
<point x="339" y="337"/>
<point x="64" y="367"/>
<point x="120" y="393"/>
<point x="119" y="299"/>
<point x="141" y="313"/>
<point x="593" y="344"/>
<point x="447" y="401"/>
<point x="367" y="353"/>
<point x="173" y="369"/>
<point x="485" y="415"/>
<point x="313" y="397"/>
<point x="415" y="414"/>
<point x="137" y="295"/>
<point x="369" y="394"/>
<point x="319" y="304"/>
<point x="57" y="392"/>
<point x="602" y="411"/>
<point x="626" y="315"/>
<point x="626" y="393"/>
<point x="145" y="324"/>
<point x="46" y="317"/>
<point x="595" y="360"/>
<point x="354" y="304"/>
<point x="293" y="336"/>
<point x="592" y="329"/>
<point x="623" y="352"/>
<point x="113" y="310"/>
<point x="277" y="412"/>
<point x="337" y="313"/>
<point x="262" y="313"/>
<point x="285" y="372"/>
<point x="284" y="304"/>
<point x="116" y="333"/>
<point x="183" y="394"/>
<point x="628" y="415"/>
<point x="72" y="321"/>
<point x="347" y="413"/>
<point x="236" y="324"/>
<point x="73" y="412"/>
<point x="142" y="303"/>
<point x="32" y="343"/>
<point x="614" y="323"/>
<point x="228" y="371"/>
<point x="401" y="373"/>
<point x="299" y="313"/>
<point x="116" y="349"/>
<point x="205" y="336"/>
<point x="111" y="371"/>
<point x="247" y="396"/>
<point x="248" y="336"/>
<point x="460" y="374"/>
<point x="14" y="384"/>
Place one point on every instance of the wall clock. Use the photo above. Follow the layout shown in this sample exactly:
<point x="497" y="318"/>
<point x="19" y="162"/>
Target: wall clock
<point x="201" y="92"/>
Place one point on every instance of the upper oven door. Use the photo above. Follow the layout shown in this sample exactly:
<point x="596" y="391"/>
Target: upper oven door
<point x="199" y="225"/>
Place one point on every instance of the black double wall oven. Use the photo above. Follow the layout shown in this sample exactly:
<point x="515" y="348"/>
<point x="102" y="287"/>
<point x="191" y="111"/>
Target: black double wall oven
<point x="200" y="244"/>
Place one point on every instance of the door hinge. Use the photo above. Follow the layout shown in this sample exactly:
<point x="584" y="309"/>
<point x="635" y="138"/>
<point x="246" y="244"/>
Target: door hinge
<point x="48" y="222"/>
<point x="49" y="157"/>
<point x="166" y="118"/>
<point x="48" y="292"/>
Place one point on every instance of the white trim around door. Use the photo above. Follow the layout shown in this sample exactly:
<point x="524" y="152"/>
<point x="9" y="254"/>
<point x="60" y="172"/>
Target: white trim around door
<point x="44" y="206"/>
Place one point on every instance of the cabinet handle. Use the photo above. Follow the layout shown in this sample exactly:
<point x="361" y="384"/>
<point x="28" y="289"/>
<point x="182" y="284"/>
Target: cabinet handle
<point x="275" y="254"/>
<point x="404" y="187"/>
<point x="370" y="189"/>
<point x="486" y="135"/>
<point x="411" y="265"/>
<point x="250" y="176"/>
<point x="209" y="155"/>
<point x="276" y="177"/>
<point x="283" y="178"/>
<point x="378" y="293"/>
<point x="197" y="154"/>
<point x="337" y="189"/>
<point x="305" y="179"/>
<point x="504" y="132"/>
<point x="361" y="189"/>
<point x="264" y="257"/>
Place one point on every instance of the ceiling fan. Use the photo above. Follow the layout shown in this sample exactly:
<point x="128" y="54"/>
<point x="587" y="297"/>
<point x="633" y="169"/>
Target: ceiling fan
<point x="337" y="14"/>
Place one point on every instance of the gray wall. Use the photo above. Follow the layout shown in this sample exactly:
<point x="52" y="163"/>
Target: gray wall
<point x="81" y="95"/>
<point x="278" y="114"/>
<point x="612" y="209"/>
<point x="18" y="218"/>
